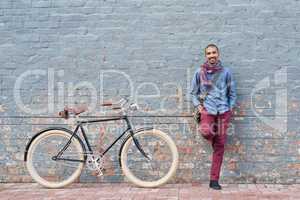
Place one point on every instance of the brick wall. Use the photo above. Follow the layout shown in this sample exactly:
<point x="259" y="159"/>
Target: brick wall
<point x="90" y="50"/>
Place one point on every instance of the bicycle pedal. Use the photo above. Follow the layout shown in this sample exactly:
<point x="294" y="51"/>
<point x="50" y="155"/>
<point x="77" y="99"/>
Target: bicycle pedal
<point x="100" y="173"/>
<point x="94" y="173"/>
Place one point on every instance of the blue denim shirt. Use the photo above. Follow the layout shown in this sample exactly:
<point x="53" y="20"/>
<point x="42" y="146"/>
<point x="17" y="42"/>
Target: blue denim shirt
<point x="222" y="95"/>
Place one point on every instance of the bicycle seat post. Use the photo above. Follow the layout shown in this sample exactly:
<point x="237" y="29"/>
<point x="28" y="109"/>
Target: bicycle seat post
<point x="73" y="118"/>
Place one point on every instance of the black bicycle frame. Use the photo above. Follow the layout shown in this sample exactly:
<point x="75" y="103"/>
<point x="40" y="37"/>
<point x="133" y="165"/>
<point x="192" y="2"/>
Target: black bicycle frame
<point x="79" y="126"/>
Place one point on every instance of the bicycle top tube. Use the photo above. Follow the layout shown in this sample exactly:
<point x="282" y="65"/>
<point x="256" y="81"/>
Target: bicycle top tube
<point x="102" y="120"/>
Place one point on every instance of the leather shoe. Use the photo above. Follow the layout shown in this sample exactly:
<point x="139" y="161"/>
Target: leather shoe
<point x="215" y="185"/>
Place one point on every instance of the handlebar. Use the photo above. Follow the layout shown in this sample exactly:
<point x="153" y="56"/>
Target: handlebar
<point x="108" y="103"/>
<point x="121" y="105"/>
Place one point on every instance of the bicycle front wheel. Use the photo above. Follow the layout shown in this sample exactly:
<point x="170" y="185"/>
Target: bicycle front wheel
<point x="159" y="164"/>
<point x="53" y="173"/>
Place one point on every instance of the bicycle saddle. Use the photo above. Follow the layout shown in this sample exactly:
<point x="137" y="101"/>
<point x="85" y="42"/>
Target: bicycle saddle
<point x="72" y="110"/>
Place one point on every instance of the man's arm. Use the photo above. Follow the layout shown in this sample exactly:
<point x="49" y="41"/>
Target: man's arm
<point x="231" y="90"/>
<point x="194" y="90"/>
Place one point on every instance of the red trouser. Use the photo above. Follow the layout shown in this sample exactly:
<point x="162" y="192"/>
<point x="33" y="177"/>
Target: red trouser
<point x="214" y="129"/>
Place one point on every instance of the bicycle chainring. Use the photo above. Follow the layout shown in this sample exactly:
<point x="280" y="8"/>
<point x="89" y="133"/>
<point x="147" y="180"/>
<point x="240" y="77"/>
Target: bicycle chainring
<point x="94" y="162"/>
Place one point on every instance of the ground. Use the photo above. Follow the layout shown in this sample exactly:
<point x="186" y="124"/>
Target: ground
<point x="115" y="191"/>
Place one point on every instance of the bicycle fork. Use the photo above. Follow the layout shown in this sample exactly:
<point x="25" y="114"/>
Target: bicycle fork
<point x="136" y="142"/>
<point x="139" y="147"/>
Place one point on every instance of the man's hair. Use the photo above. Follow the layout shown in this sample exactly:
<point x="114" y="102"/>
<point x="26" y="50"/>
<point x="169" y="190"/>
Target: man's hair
<point x="210" y="45"/>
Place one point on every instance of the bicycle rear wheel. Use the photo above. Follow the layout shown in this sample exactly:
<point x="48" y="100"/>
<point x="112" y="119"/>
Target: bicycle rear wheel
<point x="54" y="173"/>
<point x="160" y="165"/>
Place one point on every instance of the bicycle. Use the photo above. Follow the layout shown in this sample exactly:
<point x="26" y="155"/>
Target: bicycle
<point x="55" y="156"/>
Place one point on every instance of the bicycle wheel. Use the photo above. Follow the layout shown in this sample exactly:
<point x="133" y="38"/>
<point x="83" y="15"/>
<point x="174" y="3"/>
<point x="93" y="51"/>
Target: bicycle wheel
<point x="54" y="173"/>
<point x="162" y="162"/>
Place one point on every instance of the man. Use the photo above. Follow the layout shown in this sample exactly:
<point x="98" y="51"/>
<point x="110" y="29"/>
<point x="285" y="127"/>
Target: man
<point x="217" y="106"/>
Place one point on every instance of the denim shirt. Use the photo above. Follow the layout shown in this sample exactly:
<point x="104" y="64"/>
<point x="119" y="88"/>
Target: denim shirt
<point x="222" y="95"/>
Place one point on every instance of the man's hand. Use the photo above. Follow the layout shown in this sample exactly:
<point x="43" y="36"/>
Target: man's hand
<point x="200" y="108"/>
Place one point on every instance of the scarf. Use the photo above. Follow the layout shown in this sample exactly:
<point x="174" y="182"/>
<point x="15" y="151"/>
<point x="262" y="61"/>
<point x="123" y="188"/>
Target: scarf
<point x="207" y="68"/>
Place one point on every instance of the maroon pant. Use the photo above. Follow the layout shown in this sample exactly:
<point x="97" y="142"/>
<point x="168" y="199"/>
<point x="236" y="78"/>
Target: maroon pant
<point x="214" y="129"/>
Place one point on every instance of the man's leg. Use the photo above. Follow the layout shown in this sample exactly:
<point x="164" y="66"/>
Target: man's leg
<point x="218" y="144"/>
<point x="207" y="126"/>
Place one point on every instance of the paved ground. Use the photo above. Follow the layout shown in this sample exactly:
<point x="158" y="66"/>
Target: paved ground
<point x="167" y="192"/>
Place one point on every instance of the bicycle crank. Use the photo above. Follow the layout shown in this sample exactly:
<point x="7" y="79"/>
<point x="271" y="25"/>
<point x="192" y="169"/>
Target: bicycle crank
<point x="95" y="163"/>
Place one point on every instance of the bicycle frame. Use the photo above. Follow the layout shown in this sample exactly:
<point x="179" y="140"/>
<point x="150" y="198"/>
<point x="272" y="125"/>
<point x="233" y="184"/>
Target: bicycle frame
<point x="90" y="151"/>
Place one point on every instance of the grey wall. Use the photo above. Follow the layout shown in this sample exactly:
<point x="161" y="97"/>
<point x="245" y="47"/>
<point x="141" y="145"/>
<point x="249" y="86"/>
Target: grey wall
<point x="153" y="48"/>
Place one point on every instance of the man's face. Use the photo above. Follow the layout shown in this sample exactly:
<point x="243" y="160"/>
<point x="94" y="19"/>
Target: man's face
<point x="212" y="55"/>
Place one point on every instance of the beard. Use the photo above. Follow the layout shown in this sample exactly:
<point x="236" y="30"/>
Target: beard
<point x="212" y="60"/>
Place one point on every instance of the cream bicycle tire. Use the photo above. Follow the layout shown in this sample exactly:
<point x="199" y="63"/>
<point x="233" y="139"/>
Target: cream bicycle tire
<point x="33" y="172"/>
<point x="148" y="184"/>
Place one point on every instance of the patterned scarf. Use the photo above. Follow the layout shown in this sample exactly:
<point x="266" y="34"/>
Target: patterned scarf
<point x="207" y="68"/>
